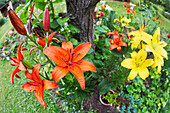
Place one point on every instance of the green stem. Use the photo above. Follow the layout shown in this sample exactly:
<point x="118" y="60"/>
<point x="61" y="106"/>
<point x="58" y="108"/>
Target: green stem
<point x="49" y="60"/>
<point x="52" y="8"/>
<point x="31" y="39"/>
<point x="34" y="16"/>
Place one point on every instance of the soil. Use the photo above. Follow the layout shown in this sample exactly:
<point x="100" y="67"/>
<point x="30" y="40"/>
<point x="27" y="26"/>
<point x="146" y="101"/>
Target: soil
<point x="94" y="103"/>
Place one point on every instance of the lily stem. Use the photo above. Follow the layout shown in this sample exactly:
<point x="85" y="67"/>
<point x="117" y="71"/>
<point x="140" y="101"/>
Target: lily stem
<point x="49" y="60"/>
<point x="31" y="39"/>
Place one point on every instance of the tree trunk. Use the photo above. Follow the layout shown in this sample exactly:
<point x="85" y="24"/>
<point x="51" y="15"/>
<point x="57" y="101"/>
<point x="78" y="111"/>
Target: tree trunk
<point x="81" y="14"/>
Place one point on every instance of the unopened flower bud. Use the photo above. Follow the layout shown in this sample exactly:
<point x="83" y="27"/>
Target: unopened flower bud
<point x="17" y="23"/>
<point x="26" y="64"/>
<point x="46" y="19"/>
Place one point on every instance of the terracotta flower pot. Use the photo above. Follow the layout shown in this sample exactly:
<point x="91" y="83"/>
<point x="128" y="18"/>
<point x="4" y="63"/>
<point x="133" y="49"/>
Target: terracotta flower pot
<point x="104" y="101"/>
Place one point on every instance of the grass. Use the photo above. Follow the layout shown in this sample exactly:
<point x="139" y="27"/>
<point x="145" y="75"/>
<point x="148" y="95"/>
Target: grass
<point x="5" y="29"/>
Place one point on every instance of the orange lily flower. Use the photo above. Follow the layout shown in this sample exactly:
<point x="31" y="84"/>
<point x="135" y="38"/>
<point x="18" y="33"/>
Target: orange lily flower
<point x="128" y="10"/>
<point x="102" y="6"/>
<point x="117" y="43"/>
<point x="69" y="59"/>
<point x="42" y="42"/>
<point x="125" y="3"/>
<point x="37" y="85"/>
<point x="17" y="62"/>
<point x="115" y="34"/>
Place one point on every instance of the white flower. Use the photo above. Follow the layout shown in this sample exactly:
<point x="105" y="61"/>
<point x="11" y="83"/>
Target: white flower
<point x="132" y="6"/>
<point x="102" y="2"/>
<point x="108" y="8"/>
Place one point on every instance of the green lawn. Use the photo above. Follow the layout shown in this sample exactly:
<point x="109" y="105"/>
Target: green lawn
<point x="4" y="29"/>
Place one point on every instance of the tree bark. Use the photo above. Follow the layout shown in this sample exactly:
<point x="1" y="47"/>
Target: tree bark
<point x="81" y="14"/>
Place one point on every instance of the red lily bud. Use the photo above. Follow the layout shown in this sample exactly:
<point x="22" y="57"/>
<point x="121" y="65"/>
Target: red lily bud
<point x="46" y="19"/>
<point x="16" y="22"/>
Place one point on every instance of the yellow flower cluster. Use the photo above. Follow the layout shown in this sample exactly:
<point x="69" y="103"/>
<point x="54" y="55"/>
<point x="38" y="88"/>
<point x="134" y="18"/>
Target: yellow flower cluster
<point x="124" y="21"/>
<point x="139" y="62"/>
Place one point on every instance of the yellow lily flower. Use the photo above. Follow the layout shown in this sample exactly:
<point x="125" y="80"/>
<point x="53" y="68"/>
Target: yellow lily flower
<point x="156" y="47"/>
<point x="125" y="21"/>
<point x="116" y="20"/>
<point x="138" y="63"/>
<point x="139" y="35"/>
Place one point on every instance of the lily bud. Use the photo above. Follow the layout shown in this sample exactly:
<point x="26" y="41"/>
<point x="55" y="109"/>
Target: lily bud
<point x="46" y="19"/>
<point x="26" y="64"/>
<point x="17" y="23"/>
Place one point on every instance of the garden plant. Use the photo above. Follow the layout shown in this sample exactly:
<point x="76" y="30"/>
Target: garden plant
<point x="126" y="53"/>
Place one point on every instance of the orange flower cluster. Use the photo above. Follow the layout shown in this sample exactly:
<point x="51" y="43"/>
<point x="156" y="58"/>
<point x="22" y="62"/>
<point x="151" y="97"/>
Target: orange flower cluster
<point x="116" y="41"/>
<point x="157" y="20"/>
<point x="128" y="8"/>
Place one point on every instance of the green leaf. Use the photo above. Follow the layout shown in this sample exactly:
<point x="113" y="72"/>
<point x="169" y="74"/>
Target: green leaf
<point x="69" y="77"/>
<point x="62" y="21"/>
<point x="54" y="24"/>
<point x="117" y="27"/>
<point x="104" y="86"/>
<point x="73" y="29"/>
<point x="41" y="15"/>
<point x="40" y="4"/>
<point x="58" y="1"/>
<point x="74" y="41"/>
<point x="23" y="17"/>
<point x="35" y="21"/>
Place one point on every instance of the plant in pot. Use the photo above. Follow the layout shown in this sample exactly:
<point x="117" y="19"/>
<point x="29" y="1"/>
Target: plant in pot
<point x="110" y="98"/>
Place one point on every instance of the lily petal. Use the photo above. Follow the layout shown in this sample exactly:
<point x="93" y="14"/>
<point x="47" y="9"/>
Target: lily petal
<point x="119" y="48"/>
<point x="80" y="51"/>
<point x="128" y="63"/>
<point x="86" y="66"/>
<point x="158" y="69"/>
<point x="20" y="56"/>
<point x="133" y="73"/>
<point x="68" y="46"/>
<point x="28" y="75"/>
<point x="162" y="43"/>
<point x="49" y="39"/>
<point x="123" y="44"/>
<point x="162" y="52"/>
<point x="113" y="46"/>
<point x="39" y="95"/>
<point x="13" y="74"/>
<point x="59" y="72"/>
<point x="141" y="55"/>
<point x="156" y="35"/>
<point x="143" y="72"/>
<point x="147" y="63"/>
<point x="49" y="84"/>
<point x="35" y="73"/>
<point x="32" y="50"/>
<point x="57" y="54"/>
<point x="22" y="67"/>
<point x="30" y="86"/>
<point x="23" y="49"/>
<point x="41" y="42"/>
<point x="78" y="73"/>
